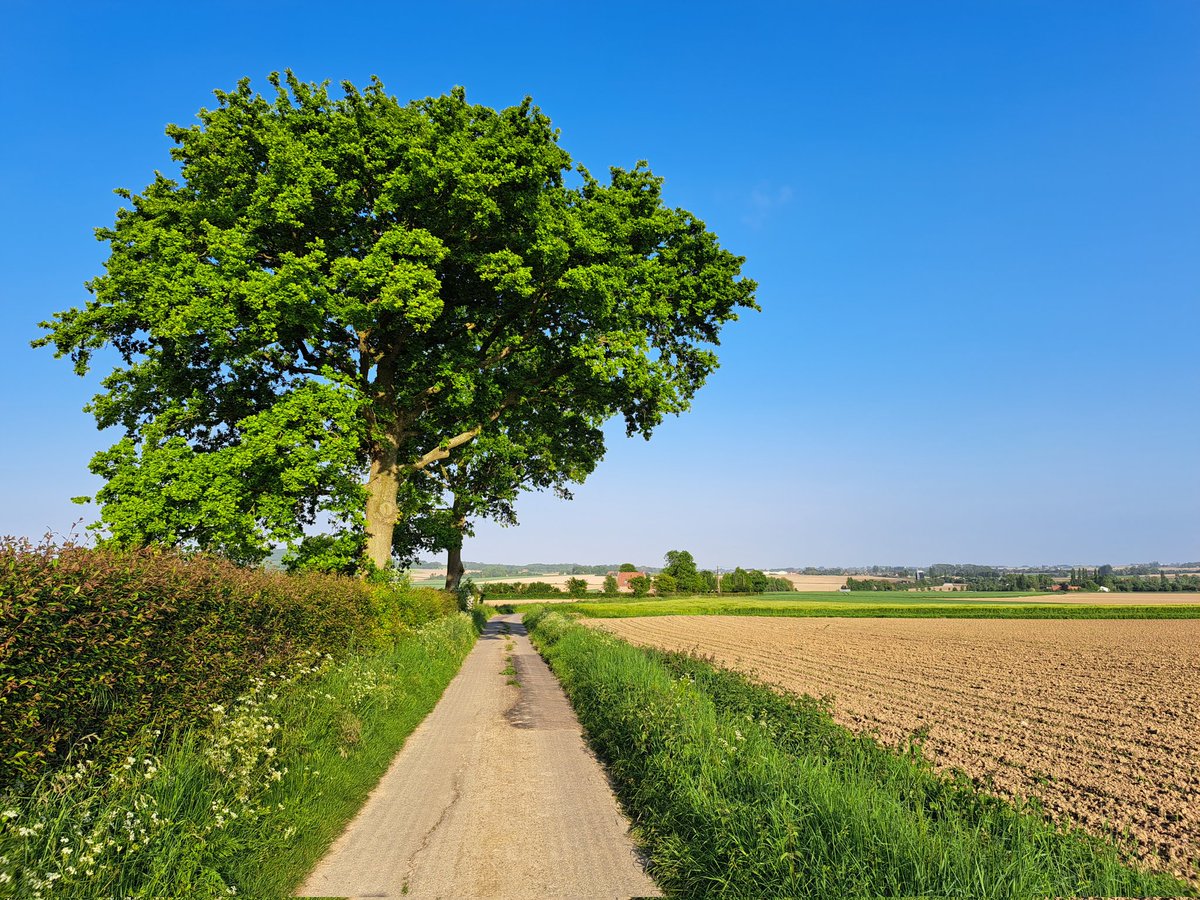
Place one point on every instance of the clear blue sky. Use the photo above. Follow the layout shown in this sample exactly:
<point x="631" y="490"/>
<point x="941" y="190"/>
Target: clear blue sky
<point x="975" y="226"/>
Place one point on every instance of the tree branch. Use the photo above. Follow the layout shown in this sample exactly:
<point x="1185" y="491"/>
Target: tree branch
<point x="443" y="451"/>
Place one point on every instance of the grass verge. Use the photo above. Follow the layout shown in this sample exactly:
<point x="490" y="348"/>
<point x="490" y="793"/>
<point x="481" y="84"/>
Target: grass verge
<point x="739" y="791"/>
<point x="910" y="607"/>
<point x="244" y="804"/>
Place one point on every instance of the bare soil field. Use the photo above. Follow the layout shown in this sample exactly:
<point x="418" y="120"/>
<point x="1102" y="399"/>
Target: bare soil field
<point x="1099" y="719"/>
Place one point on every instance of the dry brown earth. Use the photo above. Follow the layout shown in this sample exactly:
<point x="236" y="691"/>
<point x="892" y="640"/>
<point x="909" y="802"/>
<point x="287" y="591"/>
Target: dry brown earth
<point x="1099" y="719"/>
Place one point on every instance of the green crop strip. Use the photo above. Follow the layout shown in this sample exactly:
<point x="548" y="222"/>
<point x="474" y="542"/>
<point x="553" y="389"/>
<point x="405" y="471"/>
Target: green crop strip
<point x="914" y="608"/>
<point x="739" y="791"/>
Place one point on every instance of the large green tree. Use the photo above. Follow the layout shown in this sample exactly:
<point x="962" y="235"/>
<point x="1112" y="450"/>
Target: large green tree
<point x="336" y="293"/>
<point x="681" y="566"/>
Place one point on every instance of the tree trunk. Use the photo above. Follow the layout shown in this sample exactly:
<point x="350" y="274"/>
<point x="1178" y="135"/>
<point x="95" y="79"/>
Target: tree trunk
<point x="383" y="484"/>
<point x="454" y="563"/>
<point x="454" y="566"/>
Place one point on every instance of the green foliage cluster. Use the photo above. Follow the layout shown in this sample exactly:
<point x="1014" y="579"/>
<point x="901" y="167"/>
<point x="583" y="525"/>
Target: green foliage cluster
<point x="665" y="585"/>
<point x="985" y="578"/>
<point x="742" y="792"/>
<point x="99" y="642"/>
<point x="640" y="585"/>
<point x="247" y="800"/>
<point x="505" y="570"/>
<point x="754" y="581"/>
<point x="1094" y="579"/>
<point x="398" y="608"/>
<point x="533" y="590"/>
<point x="875" y="584"/>
<point x="1010" y="581"/>
<point x="1161" y="583"/>
<point x="680" y="575"/>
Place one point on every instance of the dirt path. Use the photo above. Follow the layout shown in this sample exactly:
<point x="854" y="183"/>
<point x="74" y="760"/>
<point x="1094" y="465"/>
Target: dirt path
<point x="494" y="795"/>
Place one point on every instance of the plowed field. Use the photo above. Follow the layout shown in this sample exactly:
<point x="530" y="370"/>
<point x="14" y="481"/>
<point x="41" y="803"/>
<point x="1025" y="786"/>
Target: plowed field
<point x="1098" y="719"/>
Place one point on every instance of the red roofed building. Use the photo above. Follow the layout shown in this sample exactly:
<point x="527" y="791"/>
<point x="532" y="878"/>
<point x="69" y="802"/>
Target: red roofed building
<point x="623" y="579"/>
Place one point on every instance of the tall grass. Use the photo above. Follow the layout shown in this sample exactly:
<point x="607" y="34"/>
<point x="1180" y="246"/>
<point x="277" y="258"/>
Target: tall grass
<point x="742" y="792"/>
<point x="244" y="803"/>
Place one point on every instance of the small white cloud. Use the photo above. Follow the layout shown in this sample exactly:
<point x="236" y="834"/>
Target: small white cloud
<point x="764" y="201"/>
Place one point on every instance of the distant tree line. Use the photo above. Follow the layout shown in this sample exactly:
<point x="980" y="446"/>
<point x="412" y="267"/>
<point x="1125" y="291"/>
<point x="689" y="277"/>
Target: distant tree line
<point x="1107" y="577"/>
<point x="680" y="576"/>
<point x="499" y="570"/>
<point x="533" y="590"/>
<point x="992" y="580"/>
<point x="1008" y="581"/>
<point x="753" y="581"/>
<point x="876" y="584"/>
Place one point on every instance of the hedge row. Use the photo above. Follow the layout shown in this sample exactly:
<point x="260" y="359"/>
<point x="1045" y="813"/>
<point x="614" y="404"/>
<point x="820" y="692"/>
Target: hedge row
<point x="533" y="590"/>
<point x="96" y="644"/>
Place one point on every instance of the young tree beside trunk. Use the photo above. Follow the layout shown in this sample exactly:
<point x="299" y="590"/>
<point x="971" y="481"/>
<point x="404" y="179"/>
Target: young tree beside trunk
<point x="544" y="449"/>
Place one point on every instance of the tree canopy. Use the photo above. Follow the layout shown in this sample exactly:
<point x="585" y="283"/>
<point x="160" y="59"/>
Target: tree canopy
<point x="337" y="293"/>
<point x="681" y="566"/>
<point x="548" y="449"/>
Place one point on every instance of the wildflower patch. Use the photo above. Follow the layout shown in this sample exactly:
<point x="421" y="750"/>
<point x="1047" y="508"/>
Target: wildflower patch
<point x="272" y="774"/>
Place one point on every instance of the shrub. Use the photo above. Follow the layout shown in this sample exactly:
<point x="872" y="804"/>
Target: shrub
<point x="400" y="607"/>
<point x="640" y="585"/>
<point x="665" y="585"/>
<point x="577" y="587"/>
<point x="610" y="585"/>
<point x="534" y="590"/>
<point x="97" y="643"/>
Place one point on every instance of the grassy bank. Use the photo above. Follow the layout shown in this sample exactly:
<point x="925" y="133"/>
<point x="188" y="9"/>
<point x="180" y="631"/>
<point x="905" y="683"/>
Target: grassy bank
<point x="738" y="791"/>
<point x="245" y="802"/>
<point x="984" y="606"/>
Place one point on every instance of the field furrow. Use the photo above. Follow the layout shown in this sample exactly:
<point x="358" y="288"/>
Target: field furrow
<point x="1098" y="719"/>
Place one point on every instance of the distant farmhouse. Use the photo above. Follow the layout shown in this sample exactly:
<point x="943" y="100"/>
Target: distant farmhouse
<point x="623" y="579"/>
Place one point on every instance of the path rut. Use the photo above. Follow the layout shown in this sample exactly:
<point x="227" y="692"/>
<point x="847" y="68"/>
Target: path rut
<point x="494" y="795"/>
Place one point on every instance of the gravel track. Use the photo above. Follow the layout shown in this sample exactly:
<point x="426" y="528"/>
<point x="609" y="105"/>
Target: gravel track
<point x="494" y="795"/>
<point x="1099" y="719"/>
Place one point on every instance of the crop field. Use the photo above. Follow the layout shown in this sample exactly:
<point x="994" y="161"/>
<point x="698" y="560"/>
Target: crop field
<point x="1098" y="719"/>
<point x="895" y="604"/>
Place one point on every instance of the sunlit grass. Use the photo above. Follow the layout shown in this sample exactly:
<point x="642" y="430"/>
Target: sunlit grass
<point x="740" y="791"/>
